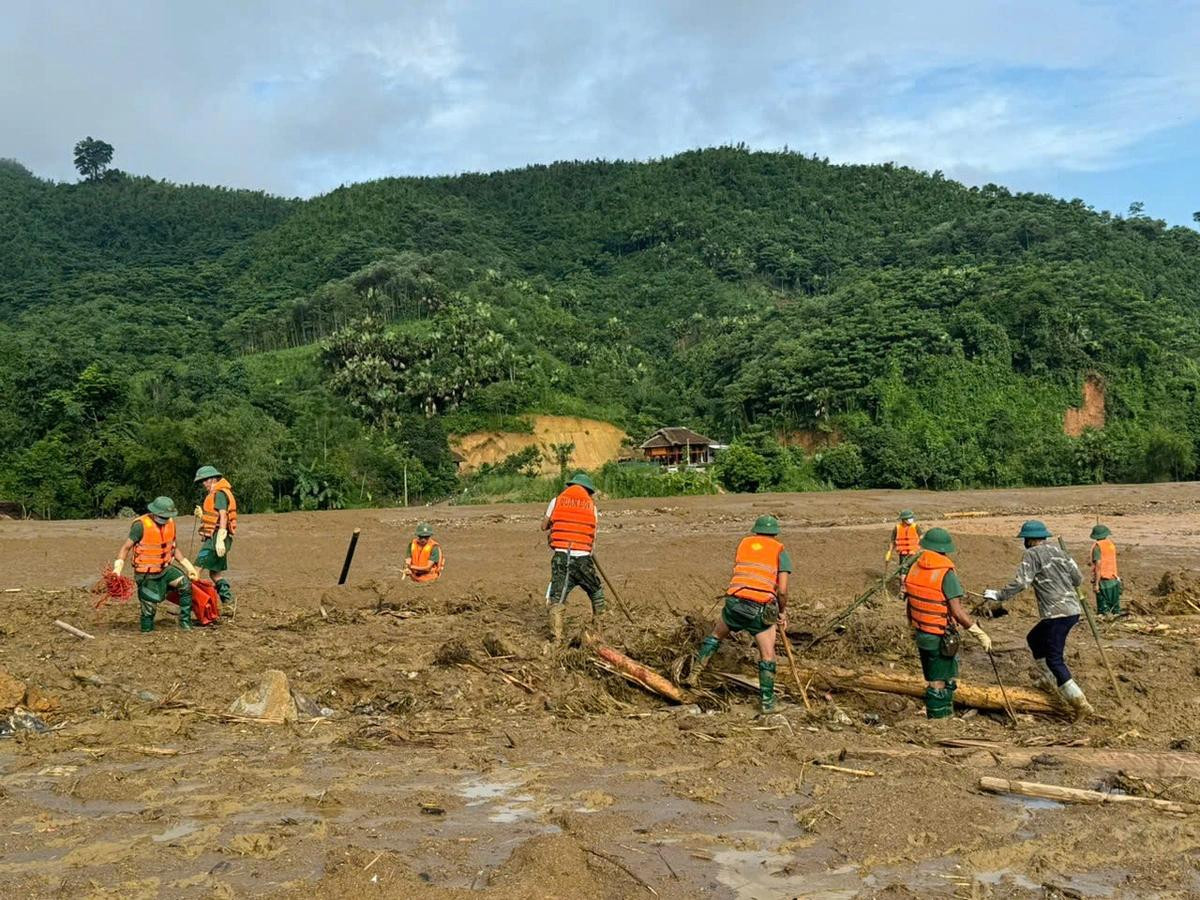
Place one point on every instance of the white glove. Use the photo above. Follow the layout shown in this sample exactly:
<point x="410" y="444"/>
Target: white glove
<point x="219" y="543"/>
<point x="192" y="574"/>
<point x="991" y="594"/>
<point x="982" y="636"/>
<point x="197" y="512"/>
<point x="118" y="566"/>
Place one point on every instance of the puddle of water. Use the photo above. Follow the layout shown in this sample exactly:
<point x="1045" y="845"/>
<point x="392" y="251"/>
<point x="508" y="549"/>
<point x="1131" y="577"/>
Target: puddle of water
<point x="183" y="829"/>
<point x="1030" y="802"/>
<point x="478" y="791"/>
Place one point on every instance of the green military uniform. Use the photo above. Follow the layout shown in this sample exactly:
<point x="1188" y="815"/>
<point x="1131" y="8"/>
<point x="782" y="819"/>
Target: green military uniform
<point x="939" y="702"/>
<point x="569" y="572"/>
<point x="207" y="557"/>
<point x="1108" y="590"/>
<point x="746" y="615"/>
<point x="153" y="589"/>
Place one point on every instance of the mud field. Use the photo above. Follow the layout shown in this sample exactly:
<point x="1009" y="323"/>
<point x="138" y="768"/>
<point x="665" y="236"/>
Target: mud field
<point x="464" y="757"/>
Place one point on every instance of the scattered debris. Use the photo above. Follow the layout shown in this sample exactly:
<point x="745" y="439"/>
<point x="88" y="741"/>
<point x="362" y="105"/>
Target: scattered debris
<point x="22" y="720"/>
<point x="1076" y="795"/>
<point x="71" y="629"/>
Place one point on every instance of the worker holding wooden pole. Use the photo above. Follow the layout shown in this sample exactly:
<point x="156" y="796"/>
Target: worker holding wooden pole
<point x="933" y="595"/>
<point x="1055" y="579"/>
<point x="755" y="601"/>
<point x="570" y="523"/>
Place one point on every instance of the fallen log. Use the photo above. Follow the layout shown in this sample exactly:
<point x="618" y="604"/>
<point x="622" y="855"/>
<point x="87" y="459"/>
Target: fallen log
<point x="646" y="677"/>
<point x="71" y="629"/>
<point x="1139" y="763"/>
<point x="974" y="695"/>
<point x="1075" y="795"/>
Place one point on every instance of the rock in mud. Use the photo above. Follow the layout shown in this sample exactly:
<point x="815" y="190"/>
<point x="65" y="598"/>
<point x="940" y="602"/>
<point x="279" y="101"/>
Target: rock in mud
<point x="271" y="701"/>
<point x="39" y="701"/>
<point x="12" y="691"/>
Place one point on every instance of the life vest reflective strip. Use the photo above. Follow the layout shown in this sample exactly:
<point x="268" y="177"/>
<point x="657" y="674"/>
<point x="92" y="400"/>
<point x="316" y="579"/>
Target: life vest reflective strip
<point x="928" y="609"/>
<point x="154" y="552"/>
<point x="419" y="567"/>
<point x="573" y="520"/>
<point x="908" y="539"/>
<point x="208" y="522"/>
<point x="1106" y="566"/>
<point x="756" y="569"/>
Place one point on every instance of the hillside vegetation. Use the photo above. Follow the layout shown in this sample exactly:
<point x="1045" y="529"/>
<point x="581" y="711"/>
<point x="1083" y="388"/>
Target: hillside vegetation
<point x="322" y="350"/>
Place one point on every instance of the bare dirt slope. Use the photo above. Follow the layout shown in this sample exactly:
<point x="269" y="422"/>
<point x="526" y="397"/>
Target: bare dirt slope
<point x="595" y="443"/>
<point x="498" y="767"/>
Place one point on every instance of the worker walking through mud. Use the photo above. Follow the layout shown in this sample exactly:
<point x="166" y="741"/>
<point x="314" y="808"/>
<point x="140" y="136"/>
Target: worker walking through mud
<point x="1106" y="581"/>
<point x="755" y="601"/>
<point x="218" y="525"/>
<point x="1055" y="578"/>
<point x="571" y="522"/>
<point x="158" y="565"/>
<point x="905" y="541"/>
<point x="424" y="562"/>
<point x="933" y="596"/>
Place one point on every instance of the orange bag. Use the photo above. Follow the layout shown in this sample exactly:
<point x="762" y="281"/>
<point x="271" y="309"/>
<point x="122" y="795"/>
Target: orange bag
<point x="206" y="602"/>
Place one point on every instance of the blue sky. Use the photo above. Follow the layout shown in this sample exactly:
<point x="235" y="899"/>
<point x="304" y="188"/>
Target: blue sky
<point x="1087" y="98"/>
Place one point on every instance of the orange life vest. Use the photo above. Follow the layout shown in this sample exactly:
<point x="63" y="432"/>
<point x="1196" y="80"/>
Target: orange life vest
<point x="573" y="520"/>
<point x="1105" y="567"/>
<point x="756" y="569"/>
<point x="908" y="539"/>
<point x="928" y="609"/>
<point x="420" y="569"/>
<point x="208" y="523"/>
<point x="154" y="552"/>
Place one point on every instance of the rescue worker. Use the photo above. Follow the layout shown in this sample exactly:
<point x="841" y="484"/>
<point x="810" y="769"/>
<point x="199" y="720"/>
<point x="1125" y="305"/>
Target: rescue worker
<point x="571" y="522"/>
<point x="218" y="525"/>
<point x="1055" y="579"/>
<point x="933" y="594"/>
<point x="424" y="562"/>
<point x="755" y="601"/>
<point x="158" y="565"/>
<point x="906" y="538"/>
<point x="1106" y="582"/>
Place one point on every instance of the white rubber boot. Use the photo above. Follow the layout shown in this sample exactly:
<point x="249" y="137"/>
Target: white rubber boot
<point x="1073" y="694"/>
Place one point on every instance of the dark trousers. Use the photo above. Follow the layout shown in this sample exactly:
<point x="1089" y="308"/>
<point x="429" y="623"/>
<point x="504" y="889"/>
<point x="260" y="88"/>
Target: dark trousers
<point x="1047" y="640"/>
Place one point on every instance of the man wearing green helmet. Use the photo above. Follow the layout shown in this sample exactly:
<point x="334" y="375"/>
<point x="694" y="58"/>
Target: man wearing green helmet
<point x="755" y="601"/>
<point x="905" y="541"/>
<point x="1106" y="581"/>
<point x="158" y="565"/>
<point x="570" y="521"/>
<point x="424" y="561"/>
<point x="1055" y="579"/>
<point x="933" y="597"/>
<point x="218" y="525"/>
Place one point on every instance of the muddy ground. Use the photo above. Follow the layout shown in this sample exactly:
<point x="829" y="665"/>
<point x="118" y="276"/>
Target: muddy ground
<point x="439" y="777"/>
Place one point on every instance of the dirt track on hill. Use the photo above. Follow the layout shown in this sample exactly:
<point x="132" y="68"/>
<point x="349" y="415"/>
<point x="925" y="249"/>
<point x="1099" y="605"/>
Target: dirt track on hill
<point x="438" y="776"/>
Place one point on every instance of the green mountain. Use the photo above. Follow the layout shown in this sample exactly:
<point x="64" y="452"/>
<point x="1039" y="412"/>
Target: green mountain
<point x="323" y="348"/>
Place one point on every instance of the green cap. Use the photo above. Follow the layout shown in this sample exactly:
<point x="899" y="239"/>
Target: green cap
<point x="906" y="514"/>
<point x="1100" y="532"/>
<point x="766" y="525"/>
<point x="206" y="472"/>
<point x="424" y="530"/>
<point x="938" y="540"/>
<point x="163" y="506"/>
<point x="581" y="479"/>
<point x="1034" y="529"/>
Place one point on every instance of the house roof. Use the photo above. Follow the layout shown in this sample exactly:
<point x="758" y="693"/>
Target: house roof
<point x="675" y="437"/>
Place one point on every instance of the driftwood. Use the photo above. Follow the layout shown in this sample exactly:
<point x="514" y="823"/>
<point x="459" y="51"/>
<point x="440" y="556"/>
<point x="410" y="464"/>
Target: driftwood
<point x="978" y="696"/>
<point x="1075" y="795"/>
<point x="646" y="677"/>
<point x="1139" y="763"/>
<point x="71" y="629"/>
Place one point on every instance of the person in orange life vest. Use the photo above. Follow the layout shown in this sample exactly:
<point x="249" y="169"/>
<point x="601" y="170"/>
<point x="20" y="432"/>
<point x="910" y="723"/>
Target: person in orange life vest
<point x="755" y="601"/>
<point x="570" y="523"/>
<point x="424" y="562"/>
<point x="158" y="565"/>
<point x="1106" y="582"/>
<point x="933" y="595"/>
<point x="905" y="541"/>
<point x="218" y="524"/>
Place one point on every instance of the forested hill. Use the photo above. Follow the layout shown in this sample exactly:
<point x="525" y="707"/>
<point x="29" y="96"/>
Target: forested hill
<point x="321" y="347"/>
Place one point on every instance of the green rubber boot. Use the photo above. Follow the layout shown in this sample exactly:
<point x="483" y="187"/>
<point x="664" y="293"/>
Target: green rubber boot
<point x="185" y="605"/>
<point x="228" y="602"/>
<point x="147" y="623"/>
<point x="700" y="661"/>
<point x="939" y="703"/>
<point x="766" y="686"/>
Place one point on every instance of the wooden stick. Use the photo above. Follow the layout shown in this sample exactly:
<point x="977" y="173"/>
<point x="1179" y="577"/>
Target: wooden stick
<point x="862" y="773"/>
<point x="1075" y="795"/>
<point x="1087" y="611"/>
<point x="616" y="596"/>
<point x="1139" y="763"/>
<point x="645" y="676"/>
<point x="1003" y="693"/>
<point x="71" y="629"/>
<point x="787" y="645"/>
<point x="349" y="556"/>
<point x="620" y="865"/>
<point x="845" y="613"/>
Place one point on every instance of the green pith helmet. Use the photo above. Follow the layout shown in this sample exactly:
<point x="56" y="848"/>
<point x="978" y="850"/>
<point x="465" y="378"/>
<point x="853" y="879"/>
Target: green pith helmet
<point x="938" y="540"/>
<point x="206" y="472"/>
<point x="581" y="479"/>
<point x="1100" y="532"/>
<point x="424" y="530"/>
<point x="1034" y="529"/>
<point x="766" y="525"/>
<point x="906" y="514"/>
<point x="163" y="506"/>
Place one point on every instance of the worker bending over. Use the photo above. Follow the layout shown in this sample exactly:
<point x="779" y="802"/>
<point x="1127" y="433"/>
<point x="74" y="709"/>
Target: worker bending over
<point x="571" y="522"/>
<point x="158" y="565"/>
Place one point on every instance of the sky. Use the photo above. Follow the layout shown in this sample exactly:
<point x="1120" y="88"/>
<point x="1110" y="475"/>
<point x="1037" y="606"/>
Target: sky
<point x="1078" y="98"/>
